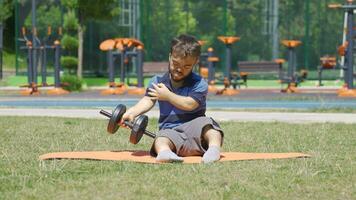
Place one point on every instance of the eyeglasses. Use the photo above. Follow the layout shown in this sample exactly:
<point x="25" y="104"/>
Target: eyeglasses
<point x="175" y="65"/>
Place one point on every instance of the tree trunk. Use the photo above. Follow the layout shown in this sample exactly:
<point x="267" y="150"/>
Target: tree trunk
<point x="80" y="50"/>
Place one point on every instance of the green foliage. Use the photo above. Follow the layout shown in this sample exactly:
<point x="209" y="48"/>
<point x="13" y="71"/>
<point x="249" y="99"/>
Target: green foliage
<point x="69" y="43"/>
<point x="70" y="22"/>
<point x="97" y="9"/>
<point x="71" y="83"/>
<point x="71" y="4"/>
<point x="46" y="15"/>
<point x="5" y="9"/>
<point x="69" y="62"/>
<point x="207" y="19"/>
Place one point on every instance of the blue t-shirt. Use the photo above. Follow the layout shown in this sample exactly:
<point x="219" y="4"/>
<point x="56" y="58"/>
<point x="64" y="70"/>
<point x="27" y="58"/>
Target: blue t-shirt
<point x="194" y="86"/>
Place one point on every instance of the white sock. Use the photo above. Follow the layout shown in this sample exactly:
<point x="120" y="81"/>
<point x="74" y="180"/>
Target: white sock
<point x="211" y="155"/>
<point x="168" y="156"/>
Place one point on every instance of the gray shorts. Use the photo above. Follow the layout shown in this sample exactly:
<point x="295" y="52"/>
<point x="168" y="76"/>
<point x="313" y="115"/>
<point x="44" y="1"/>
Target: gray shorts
<point x="187" y="137"/>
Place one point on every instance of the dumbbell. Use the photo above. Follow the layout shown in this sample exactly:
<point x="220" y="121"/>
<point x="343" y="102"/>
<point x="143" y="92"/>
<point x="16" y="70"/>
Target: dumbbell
<point x="138" y="127"/>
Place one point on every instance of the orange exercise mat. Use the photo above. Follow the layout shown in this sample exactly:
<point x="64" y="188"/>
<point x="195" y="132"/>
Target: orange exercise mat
<point x="144" y="156"/>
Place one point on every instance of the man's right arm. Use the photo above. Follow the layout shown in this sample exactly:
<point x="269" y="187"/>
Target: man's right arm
<point x="143" y="106"/>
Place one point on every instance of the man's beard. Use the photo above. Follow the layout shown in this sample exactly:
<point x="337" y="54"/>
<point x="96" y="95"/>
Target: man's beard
<point x="176" y="79"/>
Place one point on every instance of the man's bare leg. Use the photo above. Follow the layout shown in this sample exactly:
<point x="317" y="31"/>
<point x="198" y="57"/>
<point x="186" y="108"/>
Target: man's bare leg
<point x="214" y="140"/>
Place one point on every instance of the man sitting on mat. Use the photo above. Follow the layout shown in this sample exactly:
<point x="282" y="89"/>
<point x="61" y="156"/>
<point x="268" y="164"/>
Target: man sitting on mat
<point x="184" y="130"/>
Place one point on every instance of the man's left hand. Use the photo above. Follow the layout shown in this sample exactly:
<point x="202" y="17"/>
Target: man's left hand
<point x="159" y="92"/>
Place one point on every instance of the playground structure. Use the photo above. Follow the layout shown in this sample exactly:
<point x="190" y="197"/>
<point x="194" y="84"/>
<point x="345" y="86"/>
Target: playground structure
<point x="126" y="49"/>
<point x="327" y="63"/>
<point x="292" y="78"/>
<point x="207" y="67"/>
<point x="152" y="55"/>
<point x="347" y="48"/>
<point x="41" y="46"/>
<point x="228" y="41"/>
<point x="35" y="46"/>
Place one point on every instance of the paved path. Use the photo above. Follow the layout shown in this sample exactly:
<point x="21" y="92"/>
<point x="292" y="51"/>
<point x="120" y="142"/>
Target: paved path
<point x="288" y="117"/>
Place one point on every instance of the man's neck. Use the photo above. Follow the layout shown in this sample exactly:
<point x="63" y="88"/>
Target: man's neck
<point x="177" y="84"/>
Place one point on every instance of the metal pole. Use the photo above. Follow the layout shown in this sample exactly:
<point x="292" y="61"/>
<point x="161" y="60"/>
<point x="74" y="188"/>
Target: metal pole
<point x="138" y="20"/>
<point x="122" y="65"/>
<point x="228" y="61"/>
<point x="210" y="66"/>
<point x="57" y="65"/>
<point x="139" y="67"/>
<point x="275" y="33"/>
<point x="16" y="38"/>
<point x="34" y="43"/>
<point x="43" y="55"/>
<point x="307" y="34"/>
<point x="29" y="64"/>
<point x="349" y="56"/>
<point x="290" y="63"/>
<point x="1" y="47"/>
<point x="344" y="39"/>
<point x="110" y="60"/>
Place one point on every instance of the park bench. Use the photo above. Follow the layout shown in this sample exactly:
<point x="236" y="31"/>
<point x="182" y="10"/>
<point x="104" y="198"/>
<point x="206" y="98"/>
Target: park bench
<point x="155" y="68"/>
<point x="326" y="63"/>
<point x="246" y="68"/>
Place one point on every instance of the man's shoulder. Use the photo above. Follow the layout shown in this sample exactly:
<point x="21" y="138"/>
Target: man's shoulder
<point x="199" y="81"/>
<point x="159" y="78"/>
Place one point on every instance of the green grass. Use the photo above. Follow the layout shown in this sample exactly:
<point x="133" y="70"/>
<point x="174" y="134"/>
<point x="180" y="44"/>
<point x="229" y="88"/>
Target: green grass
<point x="20" y="80"/>
<point x="329" y="174"/>
<point x="8" y="61"/>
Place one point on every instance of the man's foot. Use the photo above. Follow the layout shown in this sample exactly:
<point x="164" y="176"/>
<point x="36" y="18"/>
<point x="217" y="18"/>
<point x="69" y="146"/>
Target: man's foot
<point x="211" y="155"/>
<point x="168" y="156"/>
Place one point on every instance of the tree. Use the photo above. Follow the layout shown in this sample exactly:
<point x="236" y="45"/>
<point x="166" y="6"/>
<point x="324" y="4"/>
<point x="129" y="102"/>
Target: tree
<point x="46" y="15"/>
<point x="87" y="10"/>
<point x="5" y="12"/>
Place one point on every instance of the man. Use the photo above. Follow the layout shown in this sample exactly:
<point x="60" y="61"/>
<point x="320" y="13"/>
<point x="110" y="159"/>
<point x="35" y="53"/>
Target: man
<point x="184" y="130"/>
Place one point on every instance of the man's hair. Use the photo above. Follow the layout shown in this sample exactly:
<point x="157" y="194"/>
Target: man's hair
<point x="185" y="45"/>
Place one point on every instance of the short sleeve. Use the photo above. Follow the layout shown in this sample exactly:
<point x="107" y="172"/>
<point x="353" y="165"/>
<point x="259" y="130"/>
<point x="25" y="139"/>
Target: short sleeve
<point x="153" y="80"/>
<point x="199" y="91"/>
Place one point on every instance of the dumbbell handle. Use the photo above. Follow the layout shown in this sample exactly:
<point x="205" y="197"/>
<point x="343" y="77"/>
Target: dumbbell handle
<point x="127" y="123"/>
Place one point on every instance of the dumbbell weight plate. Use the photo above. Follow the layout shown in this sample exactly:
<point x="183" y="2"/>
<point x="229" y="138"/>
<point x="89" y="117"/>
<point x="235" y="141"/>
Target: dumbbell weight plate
<point x="138" y="129"/>
<point x="115" y="118"/>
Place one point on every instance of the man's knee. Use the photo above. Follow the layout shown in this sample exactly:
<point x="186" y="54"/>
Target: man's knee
<point x="210" y="135"/>
<point x="162" y="143"/>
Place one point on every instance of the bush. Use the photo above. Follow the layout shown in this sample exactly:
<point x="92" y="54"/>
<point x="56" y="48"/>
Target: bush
<point x="71" y="83"/>
<point x="68" y="42"/>
<point x="69" y="62"/>
<point x="70" y="21"/>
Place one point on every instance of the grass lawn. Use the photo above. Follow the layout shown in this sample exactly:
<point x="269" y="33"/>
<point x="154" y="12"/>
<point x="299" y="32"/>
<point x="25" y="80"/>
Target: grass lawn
<point x="20" y="80"/>
<point x="329" y="174"/>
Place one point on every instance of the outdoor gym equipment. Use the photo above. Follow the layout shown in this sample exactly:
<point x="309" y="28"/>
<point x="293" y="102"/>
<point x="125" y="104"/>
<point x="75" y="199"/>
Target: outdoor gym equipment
<point x="292" y="78"/>
<point x="37" y="45"/>
<point x="138" y="127"/>
<point x="326" y="63"/>
<point x="228" y="41"/>
<point x="207" y="67"/>
<point x="125" y="49"/>
<point x="32" y="61"/>
<point x="348" y="89"/>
